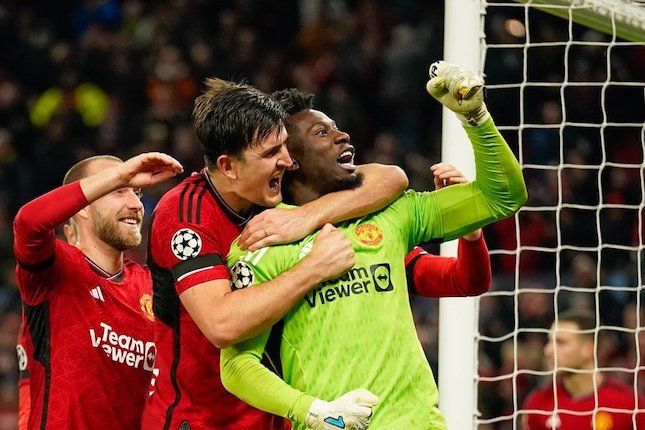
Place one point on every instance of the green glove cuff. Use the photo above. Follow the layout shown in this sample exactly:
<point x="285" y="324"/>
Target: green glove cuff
<point x="475" y="118"/>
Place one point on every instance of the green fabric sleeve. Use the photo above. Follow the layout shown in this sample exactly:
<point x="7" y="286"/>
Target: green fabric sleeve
<point x="498" y="173"/>
<point x="242" y="373"/>
<point x="497" y="192"/>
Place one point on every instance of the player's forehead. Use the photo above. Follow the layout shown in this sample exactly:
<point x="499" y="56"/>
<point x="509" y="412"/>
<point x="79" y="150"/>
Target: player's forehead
<point x="563" y="329"/>
<point x="310" y="118"/>
<point x="100" y="165"/>
<point x="277" y="137"/>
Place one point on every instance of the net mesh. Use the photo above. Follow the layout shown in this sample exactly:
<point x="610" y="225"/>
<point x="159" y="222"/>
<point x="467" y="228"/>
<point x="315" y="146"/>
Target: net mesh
<point x="570" y="101"/>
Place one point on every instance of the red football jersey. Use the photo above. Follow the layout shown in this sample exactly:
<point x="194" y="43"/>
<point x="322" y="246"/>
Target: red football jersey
<point x="91" y="332"/>
<point x="25" y="351"/>
<point x="191" y="231"/>
<point x="613" y="411"/>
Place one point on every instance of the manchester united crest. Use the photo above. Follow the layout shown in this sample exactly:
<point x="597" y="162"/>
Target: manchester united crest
<point x="369" y="234"/>
<point x="146" y="306"/>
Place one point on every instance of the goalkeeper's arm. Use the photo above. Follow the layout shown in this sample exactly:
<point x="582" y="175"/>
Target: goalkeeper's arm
<point x="246" y="377"/>
<point x="499" y="189"/>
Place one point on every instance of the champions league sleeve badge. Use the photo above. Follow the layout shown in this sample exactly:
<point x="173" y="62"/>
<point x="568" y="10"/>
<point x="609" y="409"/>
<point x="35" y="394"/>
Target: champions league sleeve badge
<point x="186" y="244"/>
<point x="241" y="275"/>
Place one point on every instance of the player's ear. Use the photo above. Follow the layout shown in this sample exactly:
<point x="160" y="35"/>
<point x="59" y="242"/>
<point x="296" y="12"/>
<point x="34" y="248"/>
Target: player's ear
<point x="84" y="213"/>
<point x="227" y="166"/>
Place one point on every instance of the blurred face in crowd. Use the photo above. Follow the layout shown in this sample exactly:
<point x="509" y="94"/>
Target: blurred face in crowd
<point x="260" y="168"/>
<point x="116" y="217"/>
<point x="323" y="153"/>
<point x="568" y="349"/>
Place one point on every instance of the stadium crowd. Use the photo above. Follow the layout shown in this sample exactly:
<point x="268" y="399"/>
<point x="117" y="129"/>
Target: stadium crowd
<point x="119" y="77"/>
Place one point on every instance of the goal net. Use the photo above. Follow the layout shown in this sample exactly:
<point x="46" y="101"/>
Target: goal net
<point x="565" y="84"/>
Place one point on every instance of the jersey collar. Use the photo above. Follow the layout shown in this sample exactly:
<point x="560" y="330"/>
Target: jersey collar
<point x="114" y="277"/>
<point x="228" y="211"/>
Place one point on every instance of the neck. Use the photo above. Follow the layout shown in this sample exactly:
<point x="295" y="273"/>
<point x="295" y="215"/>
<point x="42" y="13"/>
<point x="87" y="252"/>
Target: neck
<point x="302" y="193"/>
<point x="581" y="384"/>
<point x="102" y="254"/>
<point x="226" y="190"/>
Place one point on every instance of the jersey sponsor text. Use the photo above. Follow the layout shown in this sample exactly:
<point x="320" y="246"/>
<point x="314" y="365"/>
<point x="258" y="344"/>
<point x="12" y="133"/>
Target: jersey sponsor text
<point x="358" y="280"/>
<point x="123" y="348"/>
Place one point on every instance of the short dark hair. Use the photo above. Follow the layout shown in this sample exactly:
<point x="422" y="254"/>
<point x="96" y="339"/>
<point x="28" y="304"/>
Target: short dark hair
<point x="584" y="319"/>
<point x="229" y="117"/>
<point x="292" y="100"/>
<point x="81" y="169"/>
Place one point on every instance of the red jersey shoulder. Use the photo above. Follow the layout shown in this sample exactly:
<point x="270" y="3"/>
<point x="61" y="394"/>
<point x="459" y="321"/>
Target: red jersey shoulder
<point x="542" y="397"/>
<point x="188" y="222"/>
<point x="618" y="391"/>
<point x="37" y="283"/>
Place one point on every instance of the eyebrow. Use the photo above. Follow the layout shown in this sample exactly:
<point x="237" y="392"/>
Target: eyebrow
<point x="333" y="124"/>
<point x="270" y="149"/>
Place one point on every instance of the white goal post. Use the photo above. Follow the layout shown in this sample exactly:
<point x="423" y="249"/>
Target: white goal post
<point x="458" y="316"/>
<point x="570" y="99"/>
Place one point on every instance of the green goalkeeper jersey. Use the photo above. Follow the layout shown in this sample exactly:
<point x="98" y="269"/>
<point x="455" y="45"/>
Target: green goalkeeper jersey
<point x="357" y="331"/>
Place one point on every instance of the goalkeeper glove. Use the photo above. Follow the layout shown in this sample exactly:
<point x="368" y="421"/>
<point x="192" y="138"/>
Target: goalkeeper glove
<point x="351" y="411"/>
<point x="460" y="90"/>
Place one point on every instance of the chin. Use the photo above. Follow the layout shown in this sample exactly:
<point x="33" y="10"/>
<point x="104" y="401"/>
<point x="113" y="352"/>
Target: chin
<point x="272" y="201"/>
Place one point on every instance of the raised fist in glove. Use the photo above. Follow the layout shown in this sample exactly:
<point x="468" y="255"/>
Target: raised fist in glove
<point x="460" y="90"/>
<point x="351" y="411"/>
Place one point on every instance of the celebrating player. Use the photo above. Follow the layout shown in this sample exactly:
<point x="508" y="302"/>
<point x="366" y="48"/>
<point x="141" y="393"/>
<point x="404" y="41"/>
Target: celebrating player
<point x="25" y="347"/>
<point x="584" y="399"/>
<point x="87" y="309"/>
<point x="242" y="135"/>
<point x="357" y="330"/>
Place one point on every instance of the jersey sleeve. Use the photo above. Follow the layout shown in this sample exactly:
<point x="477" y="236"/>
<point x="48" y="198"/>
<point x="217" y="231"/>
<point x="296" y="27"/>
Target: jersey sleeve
<point x="241" y="369"/>
<point x="244" y="375"/>
<point x="35" y="245"/>
<point x="192" y="252"/>
<point x="434" y="276"/>
<point x="451" y="212"/>
<point x="33" y="226"/>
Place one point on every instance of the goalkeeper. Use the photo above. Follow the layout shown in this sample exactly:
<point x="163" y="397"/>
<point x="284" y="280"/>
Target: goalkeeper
<point x="357" y="330"/>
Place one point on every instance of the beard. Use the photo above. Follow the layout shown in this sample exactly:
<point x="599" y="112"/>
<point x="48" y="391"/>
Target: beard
<point x="107" y="229"/>
<point x="347" y="183"/>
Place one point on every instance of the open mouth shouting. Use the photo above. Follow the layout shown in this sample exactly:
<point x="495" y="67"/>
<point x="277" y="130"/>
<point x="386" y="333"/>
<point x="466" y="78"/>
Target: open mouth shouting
<point x="274" y="183"/>
<point x="346" y="159"/>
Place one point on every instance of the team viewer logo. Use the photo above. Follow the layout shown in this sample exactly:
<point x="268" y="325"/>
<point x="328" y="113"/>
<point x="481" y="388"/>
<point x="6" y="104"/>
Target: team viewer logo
<point x="145" y="303"/>
<point x="241" y="275"/>
<point x="186" y="244"/>
<point x="123" y="348"/>
<point x="381" y="275"/>
<point x="369" y="234"/>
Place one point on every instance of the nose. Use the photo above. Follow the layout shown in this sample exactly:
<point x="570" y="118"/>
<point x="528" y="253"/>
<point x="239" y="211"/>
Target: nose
<point x="342" y="137"/>
<point x="133" y="200"/>
<point x="285" y="159"/>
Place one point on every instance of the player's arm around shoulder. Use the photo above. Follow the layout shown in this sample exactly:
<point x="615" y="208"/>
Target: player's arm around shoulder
<point x="227" y="316"/>
<point x="381" y="185"/>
